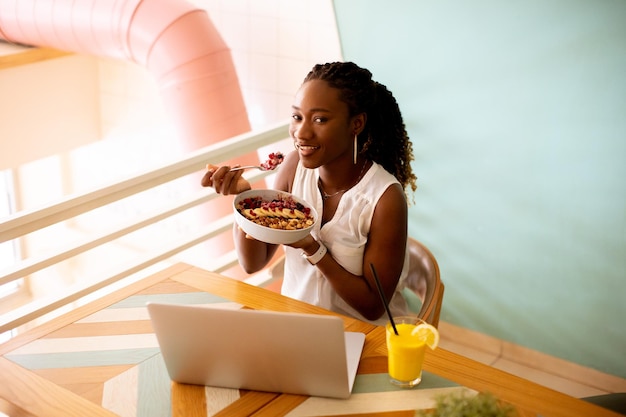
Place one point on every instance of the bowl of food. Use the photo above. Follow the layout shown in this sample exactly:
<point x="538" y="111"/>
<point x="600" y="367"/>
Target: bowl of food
<point x="274" y="216"/>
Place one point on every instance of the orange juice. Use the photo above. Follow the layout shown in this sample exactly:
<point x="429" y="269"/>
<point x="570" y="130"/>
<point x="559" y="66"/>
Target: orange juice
<point x="405" y="353"/>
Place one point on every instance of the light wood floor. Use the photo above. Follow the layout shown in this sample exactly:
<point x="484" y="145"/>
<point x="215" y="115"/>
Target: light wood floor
<point x="552" y="372"/>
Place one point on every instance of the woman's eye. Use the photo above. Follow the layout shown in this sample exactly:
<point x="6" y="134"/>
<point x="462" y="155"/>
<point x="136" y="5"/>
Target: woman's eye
<point x="295" y="117"/>
<point x="319" y="119"/>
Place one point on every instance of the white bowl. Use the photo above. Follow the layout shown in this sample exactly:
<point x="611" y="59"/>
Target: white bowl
<point x="267" y="234"/>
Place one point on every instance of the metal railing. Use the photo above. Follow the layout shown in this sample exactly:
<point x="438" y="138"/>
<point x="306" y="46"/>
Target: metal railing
<point x="22" y="223"/>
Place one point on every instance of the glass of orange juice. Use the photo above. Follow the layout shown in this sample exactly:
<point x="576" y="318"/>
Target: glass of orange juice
<point x="406" y="349"/>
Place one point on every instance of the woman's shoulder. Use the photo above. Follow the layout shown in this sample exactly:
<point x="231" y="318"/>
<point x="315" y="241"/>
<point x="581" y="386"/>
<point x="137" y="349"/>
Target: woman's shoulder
<point x="374" y="184"/>
<point x="381" y="175"/>
<point x="391" y="187"/>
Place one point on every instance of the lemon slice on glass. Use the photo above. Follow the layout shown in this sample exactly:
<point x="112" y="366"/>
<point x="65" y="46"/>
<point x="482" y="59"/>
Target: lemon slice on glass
<point x="428" y="333"/>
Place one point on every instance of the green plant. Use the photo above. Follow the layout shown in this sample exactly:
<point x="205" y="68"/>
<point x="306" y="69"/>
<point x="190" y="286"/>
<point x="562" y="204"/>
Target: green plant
<point x="468" y="405"/>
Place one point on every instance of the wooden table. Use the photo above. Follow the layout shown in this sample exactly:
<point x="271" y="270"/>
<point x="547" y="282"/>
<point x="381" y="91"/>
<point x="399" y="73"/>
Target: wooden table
<point x="102" y="359"/>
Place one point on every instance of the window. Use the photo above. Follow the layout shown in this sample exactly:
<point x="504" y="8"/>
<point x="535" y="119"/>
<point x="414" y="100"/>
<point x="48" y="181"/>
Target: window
<point x="8" y="249"/>
<point x="8" y="252"/>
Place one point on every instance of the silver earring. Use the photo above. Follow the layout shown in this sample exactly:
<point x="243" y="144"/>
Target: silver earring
<point x="355" y="147"/>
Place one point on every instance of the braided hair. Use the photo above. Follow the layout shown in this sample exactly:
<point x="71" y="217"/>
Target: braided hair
<point x="384" y="138"/>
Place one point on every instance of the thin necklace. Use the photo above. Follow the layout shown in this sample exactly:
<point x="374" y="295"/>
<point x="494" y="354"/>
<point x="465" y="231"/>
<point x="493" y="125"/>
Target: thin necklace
<point x="327" y="196"/>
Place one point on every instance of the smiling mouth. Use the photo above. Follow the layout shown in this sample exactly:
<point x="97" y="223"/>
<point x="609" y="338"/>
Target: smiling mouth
<point x="306" y="147"/>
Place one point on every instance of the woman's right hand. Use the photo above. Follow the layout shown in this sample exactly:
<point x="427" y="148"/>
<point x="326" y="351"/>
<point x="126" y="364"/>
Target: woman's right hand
<point x="225" y="181"/>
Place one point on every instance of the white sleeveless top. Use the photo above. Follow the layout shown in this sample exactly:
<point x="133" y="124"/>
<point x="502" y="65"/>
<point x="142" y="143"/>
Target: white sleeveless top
<point x="345" y="236"/>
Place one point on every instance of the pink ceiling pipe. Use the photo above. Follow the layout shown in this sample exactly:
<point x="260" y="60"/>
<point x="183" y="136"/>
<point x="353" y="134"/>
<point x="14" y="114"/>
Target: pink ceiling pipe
<point x="173" y="39"/>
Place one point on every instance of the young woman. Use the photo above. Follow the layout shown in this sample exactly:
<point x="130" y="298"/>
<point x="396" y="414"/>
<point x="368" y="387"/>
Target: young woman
<point x="352" y="163"/>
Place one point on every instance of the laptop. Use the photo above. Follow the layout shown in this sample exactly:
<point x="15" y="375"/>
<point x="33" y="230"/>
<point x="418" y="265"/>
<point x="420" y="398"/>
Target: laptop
<point x="258" y="350"/>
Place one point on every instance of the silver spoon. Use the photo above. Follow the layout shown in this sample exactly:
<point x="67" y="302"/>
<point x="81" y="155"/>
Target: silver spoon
<point x="275" y="159"/>
<point x="262" y="168"/>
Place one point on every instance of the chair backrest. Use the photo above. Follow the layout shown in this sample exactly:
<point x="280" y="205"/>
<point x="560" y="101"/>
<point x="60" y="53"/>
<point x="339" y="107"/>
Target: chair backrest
<point x="424" y="281"/>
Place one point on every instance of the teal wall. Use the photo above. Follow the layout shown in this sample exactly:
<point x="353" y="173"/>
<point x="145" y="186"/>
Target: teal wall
<point x="517" y="112"/>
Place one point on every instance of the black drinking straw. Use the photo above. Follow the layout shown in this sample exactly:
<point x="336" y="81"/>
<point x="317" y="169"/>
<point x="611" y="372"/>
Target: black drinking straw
<point x="383" y="299"/>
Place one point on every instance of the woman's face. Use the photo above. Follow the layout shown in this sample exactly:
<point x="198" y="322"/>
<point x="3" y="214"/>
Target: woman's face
<point x="320" y="125"/>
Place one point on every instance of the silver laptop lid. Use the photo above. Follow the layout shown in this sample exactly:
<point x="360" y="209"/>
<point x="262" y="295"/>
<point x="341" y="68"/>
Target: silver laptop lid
<point x="258" y="350"/>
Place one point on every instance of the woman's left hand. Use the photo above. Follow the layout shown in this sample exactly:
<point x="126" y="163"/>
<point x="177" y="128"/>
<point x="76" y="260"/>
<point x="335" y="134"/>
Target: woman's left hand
<point x="308" y="241"/>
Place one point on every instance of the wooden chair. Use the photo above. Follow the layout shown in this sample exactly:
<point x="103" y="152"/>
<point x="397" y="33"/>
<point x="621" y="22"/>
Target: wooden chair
<point x="424" y="283"/>
<point x="424" y="292"/>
